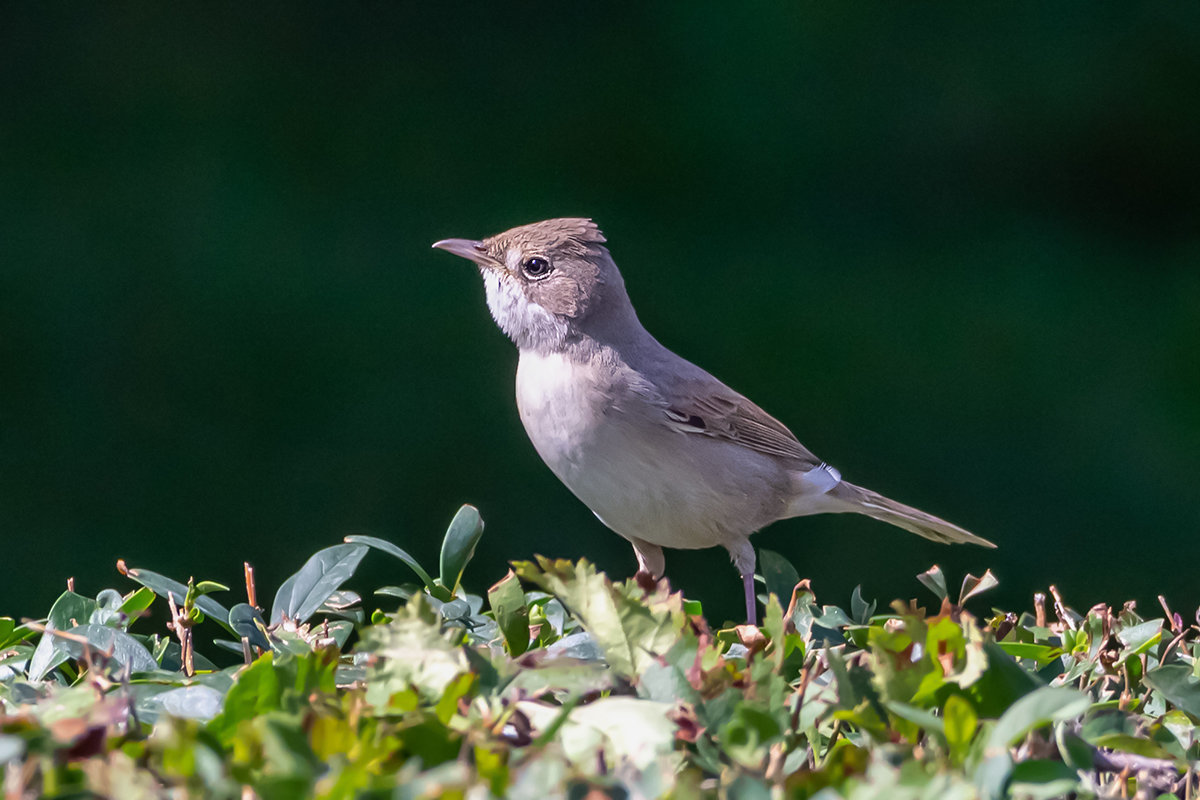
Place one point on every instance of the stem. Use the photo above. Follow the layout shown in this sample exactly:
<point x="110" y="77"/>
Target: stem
<point x="189" y="666"/>
<point x="251" y="597"/>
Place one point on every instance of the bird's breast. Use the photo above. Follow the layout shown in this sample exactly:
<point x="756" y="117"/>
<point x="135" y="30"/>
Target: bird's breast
<point x="599" y="430"/>
<point x="563" y="406"/>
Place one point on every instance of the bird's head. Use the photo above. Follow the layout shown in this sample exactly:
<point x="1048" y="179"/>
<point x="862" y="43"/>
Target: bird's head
<point x="547" y="282"/>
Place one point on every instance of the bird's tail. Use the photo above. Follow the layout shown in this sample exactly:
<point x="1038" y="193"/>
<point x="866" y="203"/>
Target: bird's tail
<point x="876" y="506"/>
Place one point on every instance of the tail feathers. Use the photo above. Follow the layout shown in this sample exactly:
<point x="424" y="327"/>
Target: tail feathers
<point x="876" y="506"/>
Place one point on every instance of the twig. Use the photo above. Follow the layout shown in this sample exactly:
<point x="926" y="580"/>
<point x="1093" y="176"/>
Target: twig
<point x="74" y="637"/>
<point x="833" y="737"/>
<point x="1158" y="773"/>
<point x="1174" y="619"/>
<point x="1060" y="610"/>
<point x="1182" y="634"/>
<point x="183" y="631"/>
<point x="251" y="597"/>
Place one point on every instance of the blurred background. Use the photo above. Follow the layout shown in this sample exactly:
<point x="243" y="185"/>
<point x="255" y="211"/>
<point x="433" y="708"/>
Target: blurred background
<point x="955" y="248"/>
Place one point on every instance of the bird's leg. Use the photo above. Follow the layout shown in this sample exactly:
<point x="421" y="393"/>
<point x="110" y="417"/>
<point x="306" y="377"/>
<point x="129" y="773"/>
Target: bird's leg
<point x="751" y="605"/>
<point x="651" y="564"/>
<point x="742" y="553"/>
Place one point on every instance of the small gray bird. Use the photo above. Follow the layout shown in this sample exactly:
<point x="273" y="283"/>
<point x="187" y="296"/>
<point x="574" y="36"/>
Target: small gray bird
<point x="662" y="452"/>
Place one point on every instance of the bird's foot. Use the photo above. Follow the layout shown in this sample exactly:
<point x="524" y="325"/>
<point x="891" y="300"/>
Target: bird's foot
<point x="645" y="580"/>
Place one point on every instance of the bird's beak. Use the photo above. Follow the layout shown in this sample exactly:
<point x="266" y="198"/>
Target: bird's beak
<point x="468" y="249"/>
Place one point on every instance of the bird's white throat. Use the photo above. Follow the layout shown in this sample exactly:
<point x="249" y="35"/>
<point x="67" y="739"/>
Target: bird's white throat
<point x="530" y="326"/>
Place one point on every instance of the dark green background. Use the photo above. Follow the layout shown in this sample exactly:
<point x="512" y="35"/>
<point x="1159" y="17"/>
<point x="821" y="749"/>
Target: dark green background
<point x="954" y="246"/>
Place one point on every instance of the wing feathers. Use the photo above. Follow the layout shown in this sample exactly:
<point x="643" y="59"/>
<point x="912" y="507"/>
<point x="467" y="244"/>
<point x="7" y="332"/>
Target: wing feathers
<point x="734" y="418"/>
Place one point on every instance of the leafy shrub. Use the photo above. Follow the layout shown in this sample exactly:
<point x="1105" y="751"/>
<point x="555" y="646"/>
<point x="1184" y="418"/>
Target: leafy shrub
<point x="561" y="682"/>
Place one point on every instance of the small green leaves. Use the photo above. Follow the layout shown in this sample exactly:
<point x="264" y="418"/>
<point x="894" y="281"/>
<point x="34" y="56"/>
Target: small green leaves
<point x="629" y="628"/>
<point x="249" y="624"/>
<point x="749" y="733"/>
<point x="933" y="580"/>
<point x="960" y="723"/>
<point x="584" y="685"/>
<point x="1034" y="710"/>
<point x="163" y="586"/>
<point x="122" y="649"/>
<point x="860" y="610"/>
<point x="778" y="574"/>
<point x="1178" y="684"/>
<point x="1140" y="638"/>
<point x="459" y="546"/>
<point x="1040" y="779"/>
<point x="136" y="602"/>
<point x="208" y="587"/>
<point x="393" y="550"/>
<point x="507" y="600"/>
<point x="303" y="593"/>
<point x="68" y="611"/>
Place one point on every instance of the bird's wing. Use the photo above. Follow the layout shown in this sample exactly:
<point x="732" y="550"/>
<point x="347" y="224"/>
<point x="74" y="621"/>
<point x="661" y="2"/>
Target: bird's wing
<point x="722" y="413"/>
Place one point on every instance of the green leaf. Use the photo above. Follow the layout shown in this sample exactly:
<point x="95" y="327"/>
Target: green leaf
<point x="1131" y="744"/>
<point x="459" y="545"/>
<point x="960" y="721"/>
<point x="1041" y="707"/>
<point x="1002" y="682"/>
<point x="248" y="623"/>
<point x="1140" y="638"/>
<point x="399" y="592"/>
<point x="136" y="602"/>
<point x="12" y="634"/>
<point x="507" y="600"/>
<point x="623" y="728"/>
<point x="1042" y="654"/>
<point x="164" y="586"/>
<point x="778" y="574"/>
<point x="921" y="717"/>
<point x="630" y="630"/>
<point x="7" y="626"/>
<point x="303" y="593"/>
<point x="290" y="762"/>
<point x="748" y="787"/>
<point x="190" y="702"/>
<point x="859" y="608"/>
<point x="1040" y="779"/>
<point x="393" y="550"/>
<point x="208" y="587"/>
<point x="833" y="618"/>
<point x="991" y="776"/>
<point x="1178" y="685"/>
<point x="748" y="734"/>
<point x="341" y="601"/>
<point x="410" y="653"/>
<point x="933" y="580"/>
<point x="69" y="610"/>
<point x="126" y="651"/>
<point x="274" y="683"/>
<point x="1075" y="752"/>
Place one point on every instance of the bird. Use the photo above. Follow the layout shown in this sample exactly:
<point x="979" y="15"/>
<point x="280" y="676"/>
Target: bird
<point x="662" y="452"/>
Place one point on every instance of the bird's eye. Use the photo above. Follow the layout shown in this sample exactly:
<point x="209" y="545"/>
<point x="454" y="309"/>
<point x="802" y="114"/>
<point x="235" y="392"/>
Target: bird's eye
<point x="536" y="267"/>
